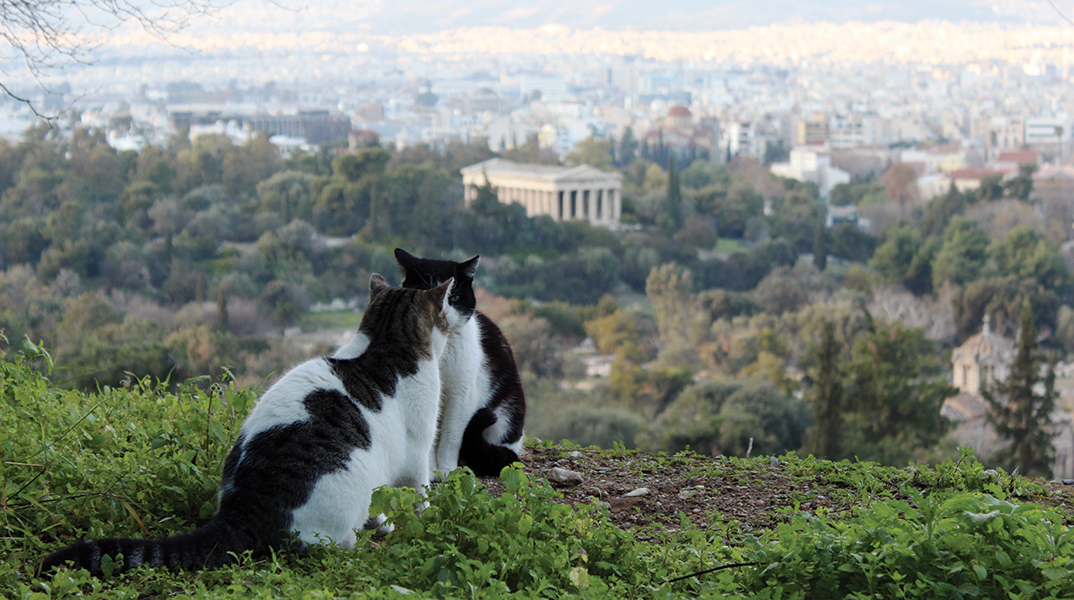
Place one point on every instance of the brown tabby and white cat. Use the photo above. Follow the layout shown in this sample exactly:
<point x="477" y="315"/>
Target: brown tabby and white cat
<point x="318" y="442"/>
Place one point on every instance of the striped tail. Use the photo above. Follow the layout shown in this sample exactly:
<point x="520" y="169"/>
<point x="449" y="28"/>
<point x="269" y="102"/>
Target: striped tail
<point x="212" y="545"/>
<point x="483" y="458"/>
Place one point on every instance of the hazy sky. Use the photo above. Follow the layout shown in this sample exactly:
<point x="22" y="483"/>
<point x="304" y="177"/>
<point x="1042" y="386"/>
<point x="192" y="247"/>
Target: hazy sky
<point x="423" y="16"/>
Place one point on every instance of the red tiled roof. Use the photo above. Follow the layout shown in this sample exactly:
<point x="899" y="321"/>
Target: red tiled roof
<point x="972" y="173"/>
<point x="1018" y="156"/>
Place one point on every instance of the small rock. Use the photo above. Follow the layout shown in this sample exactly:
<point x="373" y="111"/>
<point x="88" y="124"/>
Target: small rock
<point x="643" y="538"/>
<point x="606" y="505"/>
<point x="560" y="476"/>
<point x="773" y="461"/>
<point x="636" y="493"/>
<point x="575" y="454"/>
<point x="687" y="493"/>
<point x="1068" y="482"/>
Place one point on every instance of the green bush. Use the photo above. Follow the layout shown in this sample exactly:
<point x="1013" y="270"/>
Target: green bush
<point x="966" y="546"/>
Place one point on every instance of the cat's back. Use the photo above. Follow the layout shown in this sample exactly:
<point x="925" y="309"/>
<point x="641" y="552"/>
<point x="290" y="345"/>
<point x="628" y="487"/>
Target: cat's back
<point x="284" y="402"/>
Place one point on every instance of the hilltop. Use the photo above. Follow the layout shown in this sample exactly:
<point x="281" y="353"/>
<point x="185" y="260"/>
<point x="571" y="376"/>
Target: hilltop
<point x="142" y="461"/>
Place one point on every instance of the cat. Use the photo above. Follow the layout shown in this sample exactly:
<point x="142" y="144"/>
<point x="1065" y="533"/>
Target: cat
<point x="483" y="407"/>
<point x="318" y="442"/>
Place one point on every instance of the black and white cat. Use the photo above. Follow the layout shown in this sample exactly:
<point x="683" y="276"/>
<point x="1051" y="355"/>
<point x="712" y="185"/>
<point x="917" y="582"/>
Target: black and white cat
<point x="319" y="441"/>
<point x="482" y="408"/>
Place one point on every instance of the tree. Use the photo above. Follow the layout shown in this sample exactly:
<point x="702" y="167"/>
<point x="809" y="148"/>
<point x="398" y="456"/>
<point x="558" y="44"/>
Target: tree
<point x="897" y="388"/>
<point x="939" y="211"/>
<point x="824" y="439"/>
<point x="593" y="152"/>
<point x="674" y="213"/>
<point x="45" y="33"/>
<point x="1021" y="187"/>
<point x="628" y="148"/>
<point x="1018" y="413"/>
<point x="820" y="247"/>
<point x="1026" y="254"/>
<point x="962" y="256"/>
<point x="905" y="258"/>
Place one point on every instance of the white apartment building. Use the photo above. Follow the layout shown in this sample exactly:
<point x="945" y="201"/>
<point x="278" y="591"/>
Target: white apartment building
<point x="1050" y="136"/>
<point x="746" y="139"/>
<point x="855" y="132"/>
<point x="564" y="193"/>
<point x="812" y="163"/>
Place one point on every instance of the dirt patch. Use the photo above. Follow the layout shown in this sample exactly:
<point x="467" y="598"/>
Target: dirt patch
<point x="642" y="491"/>
<point x="649" y="494"/>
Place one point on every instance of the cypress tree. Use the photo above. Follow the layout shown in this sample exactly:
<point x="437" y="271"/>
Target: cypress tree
<point x="825" y="438"/>
<point x="1020" y="415"/>
<point x="674" y="194"/>
<point x="221" y="309"/>
<point x="820" y="247"/>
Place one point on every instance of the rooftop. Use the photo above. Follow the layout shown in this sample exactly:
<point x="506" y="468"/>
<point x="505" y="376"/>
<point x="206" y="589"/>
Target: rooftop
<point x="507" y="168"/>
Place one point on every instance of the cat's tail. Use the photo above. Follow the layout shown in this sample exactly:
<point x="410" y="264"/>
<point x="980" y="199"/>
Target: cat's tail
<point x="212" y="545"/>
<point x="484" y="459"/>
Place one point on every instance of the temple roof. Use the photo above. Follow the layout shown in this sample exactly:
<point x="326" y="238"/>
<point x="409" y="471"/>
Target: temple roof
<point x="508" y="168"/>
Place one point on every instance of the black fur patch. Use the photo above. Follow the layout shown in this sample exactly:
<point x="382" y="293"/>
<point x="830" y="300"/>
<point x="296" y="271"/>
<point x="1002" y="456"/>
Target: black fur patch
<point x="427" y="273"/>
<point x="392" y="324"/>
<point x="506" y="393"/>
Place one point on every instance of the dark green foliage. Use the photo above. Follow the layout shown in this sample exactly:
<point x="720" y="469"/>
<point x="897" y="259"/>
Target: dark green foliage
<point x="1025" y="254"/>
<point x="580" y="279"/>
<point x="849" y="242"/>
<point x="721" y="418"/>
<point x="825" y="438"/>
<point x="894" y="396"/>
<point x="991" y="188"/>
<point x="743" y="271"/>
<point x="820" y="247"/>
<point x="1021" y="186"/>
<point x="1002" y="298"/>
<point x="939" y="211"/>
<point x="906" y="258"/>
<point x="1021" y="415"/>
<point x="846" y="194"/>
<point x="962" y="256"/>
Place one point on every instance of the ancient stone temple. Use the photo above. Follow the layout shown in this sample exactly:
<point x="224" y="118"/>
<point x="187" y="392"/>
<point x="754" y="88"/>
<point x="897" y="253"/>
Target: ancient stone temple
<point x="564" y="193"/>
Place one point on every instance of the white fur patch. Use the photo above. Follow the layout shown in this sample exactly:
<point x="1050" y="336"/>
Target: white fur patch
<point x="465" y="387"/>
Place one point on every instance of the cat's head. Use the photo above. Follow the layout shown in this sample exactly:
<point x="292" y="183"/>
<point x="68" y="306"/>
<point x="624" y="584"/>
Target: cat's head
<point x="423" y="317"/>
<point x="427" y="273"/>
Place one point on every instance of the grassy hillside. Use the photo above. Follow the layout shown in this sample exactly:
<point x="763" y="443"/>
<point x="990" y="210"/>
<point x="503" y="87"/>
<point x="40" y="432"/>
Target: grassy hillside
<point x="139" y="461"/>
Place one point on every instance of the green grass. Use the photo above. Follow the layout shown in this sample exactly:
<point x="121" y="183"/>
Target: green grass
<point x="728" y="245"/>
<point x="331" y="320"/>
<point x="141" y="461"/>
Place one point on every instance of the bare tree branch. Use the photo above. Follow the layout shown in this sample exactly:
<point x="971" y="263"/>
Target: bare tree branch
<point x="41" y="34"/>
<point x="1060" y="13"/>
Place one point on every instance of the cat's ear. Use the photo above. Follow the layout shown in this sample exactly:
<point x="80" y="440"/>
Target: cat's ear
<point x="440" y="293"/>
<point x="406" y="259"/>
<point x="470" y="267"/>
<point x="377" y="284"/>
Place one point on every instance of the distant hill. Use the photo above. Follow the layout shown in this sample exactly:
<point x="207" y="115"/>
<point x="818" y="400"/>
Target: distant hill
<point x="421" y="16"/>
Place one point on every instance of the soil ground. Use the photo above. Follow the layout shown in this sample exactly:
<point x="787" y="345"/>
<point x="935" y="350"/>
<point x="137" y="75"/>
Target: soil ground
<point x="755" y="495"/>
